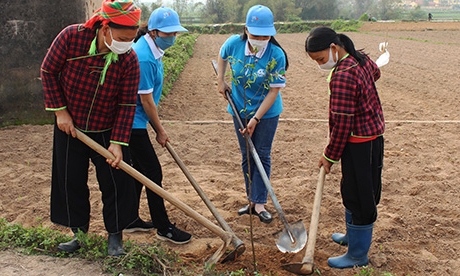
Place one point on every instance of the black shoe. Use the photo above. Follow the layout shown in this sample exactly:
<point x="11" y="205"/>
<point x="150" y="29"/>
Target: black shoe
<point x="139" y="226"/>
<point x="70" y="246"/>
<point x="245" y="210"/>
<point x="115" y="245"/>
<point x="264" y="216"/>
<point x="174" y="235"/>
<point x="74" y="244"/>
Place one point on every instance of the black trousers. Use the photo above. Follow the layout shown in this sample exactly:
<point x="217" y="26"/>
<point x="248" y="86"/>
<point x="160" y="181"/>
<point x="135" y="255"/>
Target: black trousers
<point x="361" y="184"/>
<point x="70" y="205"/>
<point x="145" y="160"/>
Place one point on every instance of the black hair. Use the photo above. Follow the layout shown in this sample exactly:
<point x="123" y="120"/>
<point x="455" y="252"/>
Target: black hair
<point x="118" y="26"/>
<point x="320" y="38"/>
<point x="244" y="36"/>
<point x="143" y="29"/>
<point x="98" y="24"/>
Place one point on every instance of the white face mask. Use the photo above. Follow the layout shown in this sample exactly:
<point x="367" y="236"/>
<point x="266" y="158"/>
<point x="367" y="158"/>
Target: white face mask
<point x="330" y="62"/>
<point x="258" y="45"/>
<point x="118" y="47"/>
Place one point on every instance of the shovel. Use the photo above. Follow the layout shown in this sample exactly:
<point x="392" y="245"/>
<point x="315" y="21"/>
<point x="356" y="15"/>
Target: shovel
<point x="307" y="264"/>
<point x="293" y="237"/>
<point x="224" y="235"/>
<point x="237" y="243"/>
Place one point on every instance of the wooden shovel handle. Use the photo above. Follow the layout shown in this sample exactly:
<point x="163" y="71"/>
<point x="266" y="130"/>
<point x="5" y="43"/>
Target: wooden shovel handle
<point x="155" y="188"/>
<point x="309" y="252"/>
<point x="211" y="207"/>
<point x="198" y="189"/>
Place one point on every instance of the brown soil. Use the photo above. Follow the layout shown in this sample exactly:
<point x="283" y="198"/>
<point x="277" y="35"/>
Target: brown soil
<point x="419" y="220"/>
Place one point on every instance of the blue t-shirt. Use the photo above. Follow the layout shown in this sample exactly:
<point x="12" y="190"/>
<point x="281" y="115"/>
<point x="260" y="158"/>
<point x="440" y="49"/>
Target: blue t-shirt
<point x="151" y="80"/>
<point x="253" y="75"/>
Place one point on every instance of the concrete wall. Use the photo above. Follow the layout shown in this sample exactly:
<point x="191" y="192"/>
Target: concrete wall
<point x="27" y="28"/>
<point x="91" y="6"/>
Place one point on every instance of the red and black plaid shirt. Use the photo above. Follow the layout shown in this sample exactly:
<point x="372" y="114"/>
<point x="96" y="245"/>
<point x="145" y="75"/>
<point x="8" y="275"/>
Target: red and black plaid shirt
<point x="74" y="84"/>
<point x="354" y="104"/>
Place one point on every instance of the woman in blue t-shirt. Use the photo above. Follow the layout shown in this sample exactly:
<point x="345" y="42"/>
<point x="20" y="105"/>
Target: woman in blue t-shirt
<point x="258" y="65"/>
<point x="160" y="34"/>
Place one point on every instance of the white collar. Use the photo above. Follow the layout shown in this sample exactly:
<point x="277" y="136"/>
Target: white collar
<point x="247" y="52"/>
<point x="157" y="52"/>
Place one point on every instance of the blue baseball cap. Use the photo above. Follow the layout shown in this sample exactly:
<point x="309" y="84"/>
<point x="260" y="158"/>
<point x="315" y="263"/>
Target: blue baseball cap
<point x="165" y="20"/>
<point x="259" y="21"/>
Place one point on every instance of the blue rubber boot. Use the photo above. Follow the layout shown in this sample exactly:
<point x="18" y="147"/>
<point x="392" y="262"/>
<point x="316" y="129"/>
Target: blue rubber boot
<point x="359" y="242"/>
<point x="340" y="238"/>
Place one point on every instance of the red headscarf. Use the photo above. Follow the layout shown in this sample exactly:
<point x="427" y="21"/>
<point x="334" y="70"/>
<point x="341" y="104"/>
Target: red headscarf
<point x="121" y="12"/>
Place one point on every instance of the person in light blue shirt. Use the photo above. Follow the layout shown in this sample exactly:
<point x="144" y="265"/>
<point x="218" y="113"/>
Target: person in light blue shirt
<point x="258" y="65"/>
<point x="153" y="39"/>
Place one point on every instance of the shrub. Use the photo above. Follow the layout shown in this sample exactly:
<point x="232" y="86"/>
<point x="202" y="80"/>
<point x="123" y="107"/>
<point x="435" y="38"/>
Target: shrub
<point x="364" y="17"/>
<point x="149" y="259"/>
<point x="175" y="59"/>
<point x="346" y="26"/>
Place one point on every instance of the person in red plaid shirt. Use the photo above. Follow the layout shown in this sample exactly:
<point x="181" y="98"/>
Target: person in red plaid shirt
<point x="356" y="127"/>
<point x="90" y="77"/>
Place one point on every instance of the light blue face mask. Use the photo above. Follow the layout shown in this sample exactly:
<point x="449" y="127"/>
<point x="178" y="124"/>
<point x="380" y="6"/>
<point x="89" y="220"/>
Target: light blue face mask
<point x="164" y="42"/>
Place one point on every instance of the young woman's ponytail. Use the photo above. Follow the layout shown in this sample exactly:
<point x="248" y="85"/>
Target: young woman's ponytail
<point x="349" y="46"/>
<point x="142" y="31"/>
<point x="321" y="38"/>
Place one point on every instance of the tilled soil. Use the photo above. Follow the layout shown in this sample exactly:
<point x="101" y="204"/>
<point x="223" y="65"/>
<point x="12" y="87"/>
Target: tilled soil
<point x="418" y="225"/>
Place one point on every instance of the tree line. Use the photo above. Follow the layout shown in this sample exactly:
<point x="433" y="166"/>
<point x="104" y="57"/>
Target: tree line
<point x="226" y="11"/>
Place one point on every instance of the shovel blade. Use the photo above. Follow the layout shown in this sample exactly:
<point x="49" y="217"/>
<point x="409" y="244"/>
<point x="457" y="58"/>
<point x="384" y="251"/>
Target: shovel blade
<point x="299" y="234"/>
<point x="299" y="268"/>
<point x="238" y="251"/>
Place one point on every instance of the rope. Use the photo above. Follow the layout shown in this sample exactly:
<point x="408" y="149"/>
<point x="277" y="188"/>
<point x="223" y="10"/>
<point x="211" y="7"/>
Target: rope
<point x="210" y="122"/>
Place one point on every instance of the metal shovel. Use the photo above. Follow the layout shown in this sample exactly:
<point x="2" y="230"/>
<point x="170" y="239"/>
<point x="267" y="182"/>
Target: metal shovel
<point x="294" y="237"/>
<point x="307" y="265"/>
<point x="237" y="243"/>
<point x="224" y="235"/>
